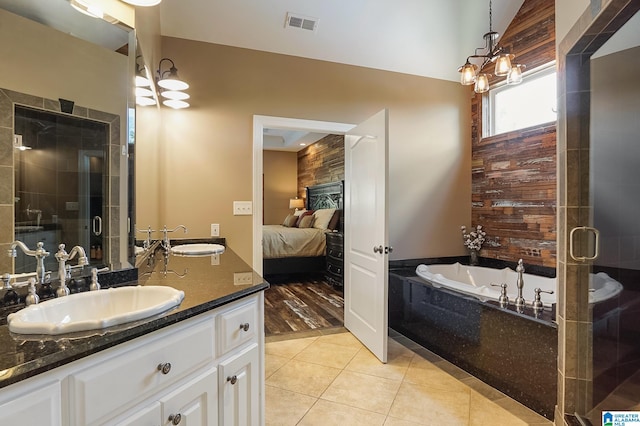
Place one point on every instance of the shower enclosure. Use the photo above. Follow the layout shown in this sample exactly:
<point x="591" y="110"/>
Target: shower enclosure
<point x="599" y="213"/>
<point x="60" y="184"/>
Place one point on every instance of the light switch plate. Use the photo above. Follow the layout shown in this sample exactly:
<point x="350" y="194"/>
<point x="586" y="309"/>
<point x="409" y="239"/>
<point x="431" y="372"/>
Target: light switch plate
<point x="215" y="259"/>
<point x="242" y="208"/>
<point x="215" y="229"/>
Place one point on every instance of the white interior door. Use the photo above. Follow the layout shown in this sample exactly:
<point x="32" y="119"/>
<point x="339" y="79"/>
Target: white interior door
<point x="366" y="236"/>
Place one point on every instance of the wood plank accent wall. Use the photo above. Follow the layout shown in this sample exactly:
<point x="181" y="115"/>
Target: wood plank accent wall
<point x="514" y="174"/>
<point x="321" y="162"/>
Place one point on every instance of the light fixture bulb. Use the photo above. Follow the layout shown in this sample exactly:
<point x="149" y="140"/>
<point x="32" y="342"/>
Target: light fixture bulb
<point x="174" y="94"/>
<point x="145" y="101"/>
<point x="144" y="3"/>
<point x="143" y="91"/>
<point x="482" y="83"/>
<point x="503" y="64"/>
<point x="142" y="81"/>
<point x="515" y="74"/>
<point x="467" y="74"/>
<point x="173" y="84"/>
<point x="175" y="104"/>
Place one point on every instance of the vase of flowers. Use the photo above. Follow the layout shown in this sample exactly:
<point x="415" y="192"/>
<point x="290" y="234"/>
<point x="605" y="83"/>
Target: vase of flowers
<point x="473" y="241"/>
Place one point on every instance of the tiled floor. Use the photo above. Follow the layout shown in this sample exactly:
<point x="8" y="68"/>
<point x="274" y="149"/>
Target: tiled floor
<point x="331" y="379"/>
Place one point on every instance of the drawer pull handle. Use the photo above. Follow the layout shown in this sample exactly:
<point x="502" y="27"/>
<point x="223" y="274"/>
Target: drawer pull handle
<point x="165" y="368"/>
<point x="244" y="327"/>
<point x="233" y="379"/>
<point x="175" y="418"/>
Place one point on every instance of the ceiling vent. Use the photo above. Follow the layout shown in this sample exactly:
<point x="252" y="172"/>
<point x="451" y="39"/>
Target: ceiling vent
<point x="301" y="22"/>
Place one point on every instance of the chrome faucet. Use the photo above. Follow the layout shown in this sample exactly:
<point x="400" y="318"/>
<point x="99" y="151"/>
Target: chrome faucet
<point x="520" y="303"/>
<point x="147" y="242"/>
<point x="63" y="270"/>
<point x="165" y="237"/>
<point x="39" y="253"/>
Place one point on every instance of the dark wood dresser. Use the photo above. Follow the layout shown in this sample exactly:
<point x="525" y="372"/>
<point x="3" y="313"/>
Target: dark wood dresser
<point x="335" y="258"/>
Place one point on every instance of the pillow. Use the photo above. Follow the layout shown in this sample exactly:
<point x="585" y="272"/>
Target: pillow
<point x="305" y="213"/>
<point x="299" y="212"/>
<point x="323" y="217"/>
<point x="333" y="223"/>
<point x="290" y="221"/>
<point x="306" y="221"/>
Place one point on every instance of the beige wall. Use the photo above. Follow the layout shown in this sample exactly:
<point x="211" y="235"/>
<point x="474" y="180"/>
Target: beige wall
<point x="567" y="14"/>
<point x="280" y="171"/>
<point x="207" y="160"/>
<point x="47" y="63"/>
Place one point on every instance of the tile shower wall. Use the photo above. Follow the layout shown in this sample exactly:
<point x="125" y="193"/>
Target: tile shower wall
<point x="514" y="174"/>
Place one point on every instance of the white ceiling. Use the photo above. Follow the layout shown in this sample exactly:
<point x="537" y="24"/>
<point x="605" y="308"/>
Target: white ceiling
<point x="429" y="38"/>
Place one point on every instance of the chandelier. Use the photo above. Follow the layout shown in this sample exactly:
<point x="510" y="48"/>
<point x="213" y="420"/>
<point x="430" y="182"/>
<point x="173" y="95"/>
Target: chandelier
<point x="490" y="52"/>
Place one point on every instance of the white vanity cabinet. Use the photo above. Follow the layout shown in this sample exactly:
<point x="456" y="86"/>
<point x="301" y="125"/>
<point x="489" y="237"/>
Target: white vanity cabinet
<point x="206" y="370"/>
<point x="33" y="403"/>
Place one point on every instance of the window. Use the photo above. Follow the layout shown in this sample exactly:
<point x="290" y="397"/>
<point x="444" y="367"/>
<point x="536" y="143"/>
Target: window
<point x="532" y="102"/>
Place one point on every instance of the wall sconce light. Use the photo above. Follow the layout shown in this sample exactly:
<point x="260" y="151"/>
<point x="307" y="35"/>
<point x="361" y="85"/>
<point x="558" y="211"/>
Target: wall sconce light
<point x="296" y="203"/>
<point x="171" y="87"/>
<point x="145" y="96"/>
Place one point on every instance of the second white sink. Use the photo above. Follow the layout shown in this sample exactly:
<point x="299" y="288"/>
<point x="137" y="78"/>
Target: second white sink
<point x="94" y="310"/>
<point x="197" y="249"/>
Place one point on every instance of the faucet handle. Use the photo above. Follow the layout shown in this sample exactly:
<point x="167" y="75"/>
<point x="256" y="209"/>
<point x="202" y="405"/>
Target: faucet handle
<point x="503" y="299"/>
<point x="537" y="302"/>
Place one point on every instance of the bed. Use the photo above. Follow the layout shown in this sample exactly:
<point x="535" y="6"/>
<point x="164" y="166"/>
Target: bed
<point x="291" y="250"/>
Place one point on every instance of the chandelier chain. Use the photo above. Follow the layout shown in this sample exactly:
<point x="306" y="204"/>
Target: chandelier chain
<point x="490" y="17"/>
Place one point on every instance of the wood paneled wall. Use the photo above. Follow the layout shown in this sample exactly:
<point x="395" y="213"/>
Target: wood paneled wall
<point x="321" y="162"/>
<point x="514" y="174"/>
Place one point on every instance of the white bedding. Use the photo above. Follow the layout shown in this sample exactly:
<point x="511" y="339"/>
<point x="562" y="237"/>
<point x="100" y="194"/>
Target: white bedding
<point x="280" y="241"/>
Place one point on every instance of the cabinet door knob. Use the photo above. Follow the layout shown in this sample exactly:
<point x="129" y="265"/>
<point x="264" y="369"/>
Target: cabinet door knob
<point x="233" y="379"/>
<point x="165" y="368"/>
<point x="175" y="418"/>
<point x="244" y="327"/>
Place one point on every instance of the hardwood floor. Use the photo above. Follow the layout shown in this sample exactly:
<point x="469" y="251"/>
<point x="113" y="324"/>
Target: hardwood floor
<point x="301" y="304"/>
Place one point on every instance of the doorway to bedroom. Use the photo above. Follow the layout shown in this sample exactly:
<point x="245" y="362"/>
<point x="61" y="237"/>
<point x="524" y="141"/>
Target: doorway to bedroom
<point x="306" y="294"/>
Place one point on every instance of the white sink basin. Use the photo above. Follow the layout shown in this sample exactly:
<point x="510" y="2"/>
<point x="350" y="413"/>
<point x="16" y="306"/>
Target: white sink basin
<point x="94" y="310"/>
<point x="197" y="249"/>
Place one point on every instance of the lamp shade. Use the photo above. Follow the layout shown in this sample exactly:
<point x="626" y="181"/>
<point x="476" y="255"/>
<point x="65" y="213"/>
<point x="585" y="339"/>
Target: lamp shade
<point x="482" y="83"/>
<point x="467" y="73"/>
<point x="296" y="203"/>
<point x="503" y="64"/>
<point x="515" y="74"/>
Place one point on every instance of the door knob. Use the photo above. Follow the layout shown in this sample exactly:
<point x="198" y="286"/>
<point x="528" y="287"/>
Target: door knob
<point x="388" y="249"/>
<point x="378" y="249"/>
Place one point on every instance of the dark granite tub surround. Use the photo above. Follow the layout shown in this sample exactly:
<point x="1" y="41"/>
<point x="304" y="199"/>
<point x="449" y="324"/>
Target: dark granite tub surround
<point x="207" y="283"/>
<point x="515" y="353"/>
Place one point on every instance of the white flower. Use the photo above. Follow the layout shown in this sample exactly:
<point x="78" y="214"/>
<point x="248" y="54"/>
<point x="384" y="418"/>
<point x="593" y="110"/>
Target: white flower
<point x="474" y="239"/>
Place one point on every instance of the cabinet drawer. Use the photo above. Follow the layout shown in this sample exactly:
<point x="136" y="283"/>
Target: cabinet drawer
<point x="237" y="325"/>
<point x="121" y="379"/>
<point x="335" y="268"/>
<point x="334" y="252"/>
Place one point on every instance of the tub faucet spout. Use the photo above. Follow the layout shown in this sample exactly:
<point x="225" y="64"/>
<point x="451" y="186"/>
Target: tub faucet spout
<point x="520" y="284"/>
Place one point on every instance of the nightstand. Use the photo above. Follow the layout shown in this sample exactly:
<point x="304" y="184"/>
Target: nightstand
<point x="335" y="258"/>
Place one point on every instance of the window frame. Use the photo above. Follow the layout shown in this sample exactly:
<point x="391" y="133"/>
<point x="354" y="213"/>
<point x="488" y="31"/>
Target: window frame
<point x="488" y="99"/>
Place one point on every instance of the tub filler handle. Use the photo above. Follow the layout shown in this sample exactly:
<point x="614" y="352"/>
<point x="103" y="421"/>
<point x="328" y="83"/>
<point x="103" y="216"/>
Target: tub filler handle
<point x="596" y="243"/>
<point x="503" y="299"/>
<point x="537" y="302"/>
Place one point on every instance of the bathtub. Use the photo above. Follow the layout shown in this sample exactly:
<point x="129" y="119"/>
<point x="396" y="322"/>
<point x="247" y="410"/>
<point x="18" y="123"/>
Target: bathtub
<point x="476" y="281"/>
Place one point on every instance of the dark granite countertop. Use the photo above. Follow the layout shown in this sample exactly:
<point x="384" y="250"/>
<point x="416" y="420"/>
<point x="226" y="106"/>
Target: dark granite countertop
<point x="207" y="282"/>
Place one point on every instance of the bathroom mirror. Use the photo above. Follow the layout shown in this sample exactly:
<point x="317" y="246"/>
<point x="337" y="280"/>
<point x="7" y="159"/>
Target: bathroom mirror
<point x="62" y="54"/>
